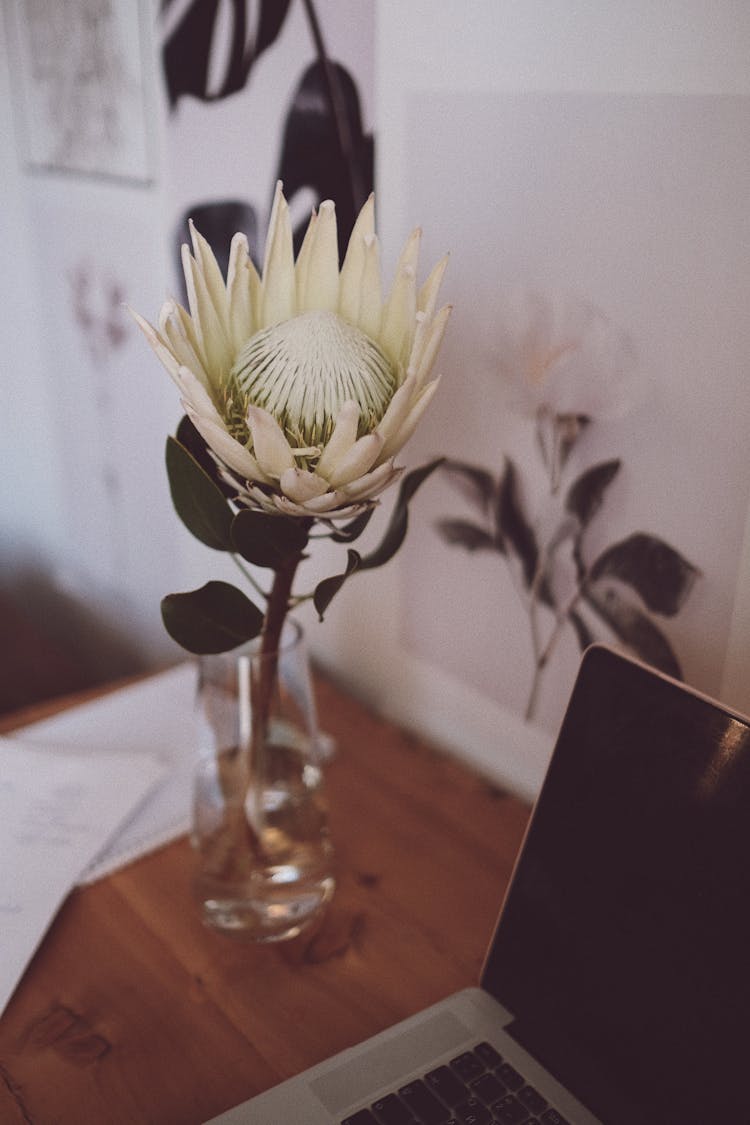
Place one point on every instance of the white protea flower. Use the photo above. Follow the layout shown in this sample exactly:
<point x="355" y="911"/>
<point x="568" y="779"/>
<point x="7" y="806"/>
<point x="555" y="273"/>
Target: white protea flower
<point x="305" y="381"/>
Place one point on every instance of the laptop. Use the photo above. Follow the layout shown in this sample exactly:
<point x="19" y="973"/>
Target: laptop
<point x="616" y="988"/>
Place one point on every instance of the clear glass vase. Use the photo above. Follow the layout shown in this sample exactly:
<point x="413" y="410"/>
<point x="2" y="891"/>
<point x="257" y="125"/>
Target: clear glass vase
<point x="260" y="828"/>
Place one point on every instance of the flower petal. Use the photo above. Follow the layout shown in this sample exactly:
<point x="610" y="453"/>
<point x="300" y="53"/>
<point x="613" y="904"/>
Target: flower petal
<point x="354" y="262"/>
<point x="341" y="440"/>
<point x="177" y="330"/>
<point x="370" y="485"/>
<point x="214" y="348"/>
<point x="427" y="346"/>
<point x="279" y="296"/>
<point x="370" y="312"/>
<point x="357" y="460"/>
<point x="402" y="435"/>
<point x="321" y="286"/>
<point x="398" y="408"/>
<point x="301" y="486"/>
<point x="243" y="292"/>
<point x="210" y="271"/>
<point x="270" y="447"/>
<point x="397" y="331"/>
<point x="428" y="294"/>
<point x="302" y="265"/>
<point x="224" y="445"/>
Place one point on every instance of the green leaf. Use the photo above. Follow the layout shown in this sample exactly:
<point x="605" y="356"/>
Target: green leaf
<point x="215" y="618"/>
<point x="635" y="629"/>
<point x="398" y="525"/>
<point x="656" y="571"/>
<point x="198" y="502"/>
<point x="267" y="540"/>
<point x="468" y="535"/>
<point x="586" y="494"/>
<point x="326" y="590"/>
<point x="352" y="530"/>
<point x="512" y="525"/>
<point x="476" y="484"/>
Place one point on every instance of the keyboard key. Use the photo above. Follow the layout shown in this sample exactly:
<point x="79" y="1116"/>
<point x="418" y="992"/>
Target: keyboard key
<point x="390" y="1110"/>
<point x="444" y="1083"/>
<point x="509" y="1111"/>
<point x="472" y="1112"/>
<point x="552" y="1117"/>
<point x="488" y="1055"/>
<point x="510" y="1076"/>
<point x="363" y="1117"/>
<point x="488" y="1089"/>
<point x="532" y="1099"/>
<point x="423" y="1104"/>
<point x="467" y="1066"/>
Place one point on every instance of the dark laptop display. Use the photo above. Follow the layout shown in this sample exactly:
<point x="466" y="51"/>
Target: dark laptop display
<point x="624" y="946"/>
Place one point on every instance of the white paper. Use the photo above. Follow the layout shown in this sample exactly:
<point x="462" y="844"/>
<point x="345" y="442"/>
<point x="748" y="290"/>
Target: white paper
<point x="57" y="811"/>
<point x="155" y="718"/>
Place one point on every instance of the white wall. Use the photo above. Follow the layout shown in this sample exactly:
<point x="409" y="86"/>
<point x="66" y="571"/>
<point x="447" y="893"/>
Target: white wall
<point x="55" y="515"/>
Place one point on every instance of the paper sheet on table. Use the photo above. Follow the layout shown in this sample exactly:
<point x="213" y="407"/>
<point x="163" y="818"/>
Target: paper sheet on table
<point x="155" y="718"/>
<point x="56" y="813"/>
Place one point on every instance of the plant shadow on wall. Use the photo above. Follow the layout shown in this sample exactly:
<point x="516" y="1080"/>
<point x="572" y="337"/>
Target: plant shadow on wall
<point x="569" y="368"/>
<point x="325" y="153"/>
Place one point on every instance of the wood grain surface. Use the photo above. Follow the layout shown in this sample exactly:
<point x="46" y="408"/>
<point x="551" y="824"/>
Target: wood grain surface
<point x="132" y="1011"/>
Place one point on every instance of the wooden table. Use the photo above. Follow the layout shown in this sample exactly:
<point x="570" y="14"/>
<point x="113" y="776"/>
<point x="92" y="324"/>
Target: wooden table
<point x="132" y="1011"/>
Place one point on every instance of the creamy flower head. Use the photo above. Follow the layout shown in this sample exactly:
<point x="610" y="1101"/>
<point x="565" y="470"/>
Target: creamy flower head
<point x="305" y="380"/>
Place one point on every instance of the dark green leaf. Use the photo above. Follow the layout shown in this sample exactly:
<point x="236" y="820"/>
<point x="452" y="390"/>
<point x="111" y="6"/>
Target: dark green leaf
<point x="468" y="535"/>
<point x="326" y="590"/>
<point x="267" y="540"/>
<point x="512" y="525"/>
<point x="395" y="533"/>
<point x="477" y="485"/>
<point x="586" y="494"/>
<point x="661" y="575"/>
<point x="215" y="618"/>
<point x="198" y="502"/>
<point x="352" y="530"/>
<point x="635" y="629"/>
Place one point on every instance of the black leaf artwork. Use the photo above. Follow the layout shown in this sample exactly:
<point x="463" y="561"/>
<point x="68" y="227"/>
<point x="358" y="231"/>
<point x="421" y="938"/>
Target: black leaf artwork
<point x="192" y="43"/>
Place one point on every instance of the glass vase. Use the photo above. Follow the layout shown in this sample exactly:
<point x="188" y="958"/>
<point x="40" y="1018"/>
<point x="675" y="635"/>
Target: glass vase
<point x="265" y="860"/>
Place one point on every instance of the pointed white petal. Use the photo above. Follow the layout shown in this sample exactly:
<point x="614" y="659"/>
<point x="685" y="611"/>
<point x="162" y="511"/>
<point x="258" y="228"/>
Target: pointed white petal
<point x="157" y="343"/>
<point x="230" y="451"/>
<point x="301" y="486"/>
<point x="197" y="396"/>
<point x="401" y="436"/>
<point x="321" y="290"/>
<point x="342" y="439"/>
<point x="209" y="268"/>
<point x="302" y="266"/>
<point x="429" y="291"/>
<point x="397" y="333"/>
<point x="243" y="285"/>
<point x="214" y="348"/>
<point x="357" y="461"/>
<point x="176" y="329"/>
<point x="373" y="483"/>
<point x="370" y="313"/>
<point x="279" y="296"/>
<point x="354" y="262"/>
<point x="398" y="408"/>
<point x="270" y="447"/>
<point x="425" y="350"/>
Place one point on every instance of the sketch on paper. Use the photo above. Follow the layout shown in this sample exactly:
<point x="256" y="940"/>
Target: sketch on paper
<point x="568" y="369"/>
<point x="80" y="87"/>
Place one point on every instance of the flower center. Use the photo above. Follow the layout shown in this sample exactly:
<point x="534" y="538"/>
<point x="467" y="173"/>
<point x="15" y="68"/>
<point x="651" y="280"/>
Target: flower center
<point x="303" y="370"/>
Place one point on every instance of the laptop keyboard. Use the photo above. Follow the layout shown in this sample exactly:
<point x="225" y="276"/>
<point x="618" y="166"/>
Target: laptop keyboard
<point x="477" y="1088"/>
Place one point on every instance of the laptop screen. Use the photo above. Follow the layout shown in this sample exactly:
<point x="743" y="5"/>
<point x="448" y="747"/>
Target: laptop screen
<point x="623" y="948"/>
